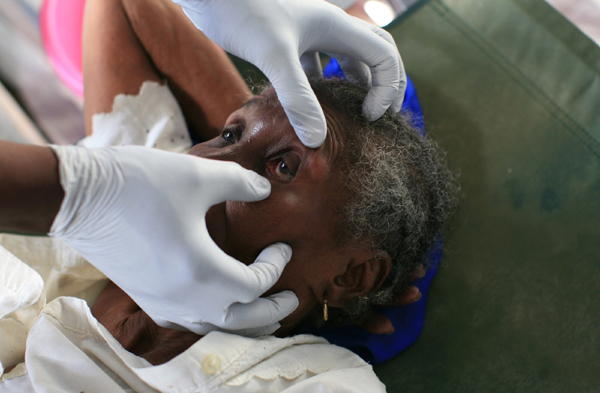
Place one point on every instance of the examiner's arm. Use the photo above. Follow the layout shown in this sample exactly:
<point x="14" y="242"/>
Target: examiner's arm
<point x="127" y="211"/>
<point x="30" y="191"/>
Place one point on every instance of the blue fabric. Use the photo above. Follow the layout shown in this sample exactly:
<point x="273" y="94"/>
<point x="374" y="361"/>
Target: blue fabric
<point x="407" y="321"/>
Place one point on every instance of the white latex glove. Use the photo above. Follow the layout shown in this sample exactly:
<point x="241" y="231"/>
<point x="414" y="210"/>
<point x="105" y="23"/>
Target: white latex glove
<point x="138" y="215"/>
<point x="274" y="34"/>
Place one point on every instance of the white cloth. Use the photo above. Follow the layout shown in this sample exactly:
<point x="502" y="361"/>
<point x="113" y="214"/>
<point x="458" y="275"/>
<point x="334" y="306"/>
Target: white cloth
<point x="45" y="320"/>
<point x="34" y="272"/>
<point x="152" y="118"/>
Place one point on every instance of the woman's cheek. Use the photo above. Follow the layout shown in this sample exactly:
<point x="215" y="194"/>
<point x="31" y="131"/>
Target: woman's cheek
<point x="252" y="226"/>
<point x="215" y="223"/>
<point x="249" y="230"/>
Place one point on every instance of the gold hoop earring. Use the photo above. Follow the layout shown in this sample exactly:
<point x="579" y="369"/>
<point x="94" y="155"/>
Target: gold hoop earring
<point x="325" y="313"/>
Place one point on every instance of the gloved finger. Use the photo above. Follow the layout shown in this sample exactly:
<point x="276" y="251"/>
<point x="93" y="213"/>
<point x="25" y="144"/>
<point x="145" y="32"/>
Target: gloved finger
<point x="363" y="43"/>
<point x="311" y="64"/>
<point x="229" y="181"/>
<point x="267" y="268"/>
<point x="203" y="328"/>
<point x="298" y="100"/>
<point x="354" y="70"/>
<point x="256" y="332"/>
<point x="261" y="312"/>
<point x="250" y="282"/>
<point x="397" y="103"/>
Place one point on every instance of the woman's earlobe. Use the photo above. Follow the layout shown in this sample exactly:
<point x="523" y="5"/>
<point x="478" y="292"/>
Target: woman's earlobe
<point x="362" y="277"/>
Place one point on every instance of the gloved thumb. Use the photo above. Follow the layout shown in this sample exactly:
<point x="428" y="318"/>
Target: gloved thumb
<point x="262" y="312"/>
<point x="299" y="102"/>
<point x="269" y="265"/>
<point x="229" y="181"/>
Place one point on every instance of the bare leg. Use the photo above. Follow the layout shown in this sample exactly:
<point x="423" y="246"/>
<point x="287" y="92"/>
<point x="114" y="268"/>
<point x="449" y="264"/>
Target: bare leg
<point x="127" y="42"/>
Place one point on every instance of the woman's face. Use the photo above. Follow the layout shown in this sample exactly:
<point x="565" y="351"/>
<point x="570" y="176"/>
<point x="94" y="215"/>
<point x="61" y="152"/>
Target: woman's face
<point x="301" y="211"/>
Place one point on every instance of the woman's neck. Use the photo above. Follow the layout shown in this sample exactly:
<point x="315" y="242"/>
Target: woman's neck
<point x="136" y="331"/>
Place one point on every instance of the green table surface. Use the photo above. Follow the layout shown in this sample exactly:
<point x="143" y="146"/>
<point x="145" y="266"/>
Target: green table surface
<point x="511" y="90"/>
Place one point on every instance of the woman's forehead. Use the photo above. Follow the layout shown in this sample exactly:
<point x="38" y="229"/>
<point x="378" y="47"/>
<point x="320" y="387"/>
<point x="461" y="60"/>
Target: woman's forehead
<point x="335" y="140"/>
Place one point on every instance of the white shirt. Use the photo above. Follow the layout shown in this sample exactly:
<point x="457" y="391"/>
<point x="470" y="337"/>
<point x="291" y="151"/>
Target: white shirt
<point x="45" y="288"/>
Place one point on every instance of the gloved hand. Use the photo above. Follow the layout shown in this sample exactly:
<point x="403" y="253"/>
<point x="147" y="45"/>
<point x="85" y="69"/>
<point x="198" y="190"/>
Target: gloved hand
<point x="274" y="35"/>
<point x="138" y="215"/>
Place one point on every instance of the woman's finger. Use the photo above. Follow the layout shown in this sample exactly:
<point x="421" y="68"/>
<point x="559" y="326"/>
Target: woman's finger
<point x="378" y="324"/>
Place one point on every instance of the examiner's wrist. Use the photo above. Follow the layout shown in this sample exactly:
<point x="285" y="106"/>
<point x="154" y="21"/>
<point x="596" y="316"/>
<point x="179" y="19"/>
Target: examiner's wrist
<point x="30" y="190"/>
<point x="55" y="193"/>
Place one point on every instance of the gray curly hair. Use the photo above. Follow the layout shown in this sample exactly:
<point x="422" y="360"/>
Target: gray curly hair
<point x="400" y="191"/>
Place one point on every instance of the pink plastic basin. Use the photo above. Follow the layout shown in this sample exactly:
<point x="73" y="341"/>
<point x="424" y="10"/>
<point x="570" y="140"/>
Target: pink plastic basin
<point x="61" y="24"/>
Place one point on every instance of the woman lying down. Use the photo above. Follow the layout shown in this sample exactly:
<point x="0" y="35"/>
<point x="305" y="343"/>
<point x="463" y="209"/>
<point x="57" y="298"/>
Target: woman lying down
<point x="360" y="213"/>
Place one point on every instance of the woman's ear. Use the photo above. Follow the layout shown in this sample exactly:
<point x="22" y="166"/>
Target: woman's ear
<point x="363" y="276"/>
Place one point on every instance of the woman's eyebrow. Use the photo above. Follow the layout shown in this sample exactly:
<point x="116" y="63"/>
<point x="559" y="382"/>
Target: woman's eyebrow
<point x="251" y="102"/>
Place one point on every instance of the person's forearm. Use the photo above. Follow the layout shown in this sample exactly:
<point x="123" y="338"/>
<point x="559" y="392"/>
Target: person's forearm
<point x="30" y="190"/>
<point x="203" y="79"/>
<point x="128" y="42"/>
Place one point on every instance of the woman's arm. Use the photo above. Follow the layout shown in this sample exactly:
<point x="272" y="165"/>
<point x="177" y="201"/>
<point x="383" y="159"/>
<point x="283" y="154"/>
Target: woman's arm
<point x="30" y="190"/>
<point x="127" y="42"/>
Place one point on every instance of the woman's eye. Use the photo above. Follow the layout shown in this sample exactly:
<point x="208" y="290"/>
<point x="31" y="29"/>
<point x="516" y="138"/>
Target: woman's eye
<point x="283" y="169"/>
<point x="280" y="169"/>
<point x="228" y="136"/>
<point x="232" y="133"/>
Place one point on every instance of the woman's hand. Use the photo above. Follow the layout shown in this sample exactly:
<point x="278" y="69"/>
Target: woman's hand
<point x="379" y="323"/>
<point x="280" y="36"/>
<point x="138" y="215"/>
